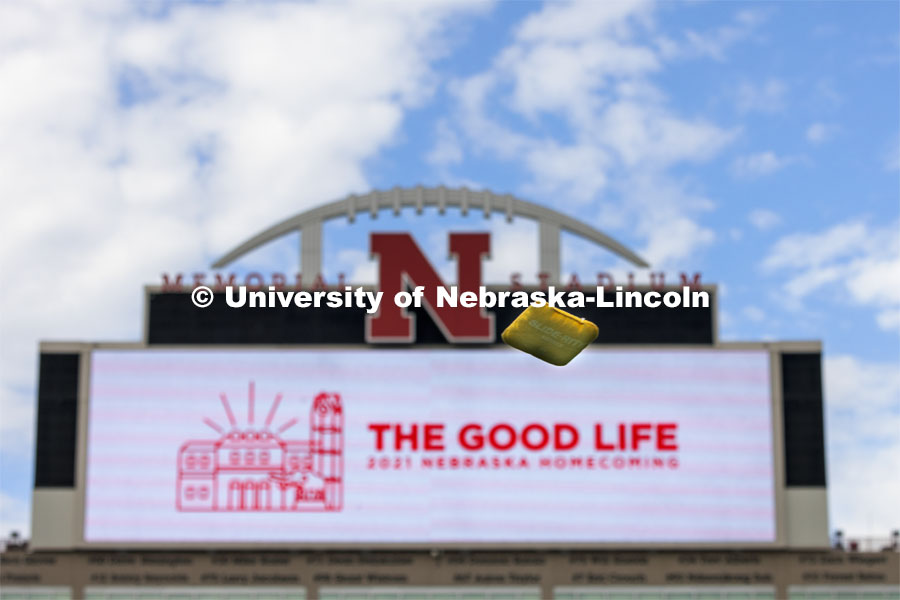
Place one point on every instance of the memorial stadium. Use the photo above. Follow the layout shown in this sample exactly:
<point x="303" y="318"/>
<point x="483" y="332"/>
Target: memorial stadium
<point x="336" y="453"/>
<point x="449" y="300"/>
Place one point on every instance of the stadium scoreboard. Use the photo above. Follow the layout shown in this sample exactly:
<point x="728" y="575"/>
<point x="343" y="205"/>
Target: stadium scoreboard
<point x="305" y="428"/>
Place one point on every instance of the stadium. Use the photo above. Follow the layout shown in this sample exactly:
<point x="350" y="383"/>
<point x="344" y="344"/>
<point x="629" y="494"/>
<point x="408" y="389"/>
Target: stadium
<point x="302" y="452"/>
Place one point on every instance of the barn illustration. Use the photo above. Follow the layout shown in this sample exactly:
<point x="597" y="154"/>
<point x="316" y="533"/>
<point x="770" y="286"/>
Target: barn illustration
<point x="255" y="469"/>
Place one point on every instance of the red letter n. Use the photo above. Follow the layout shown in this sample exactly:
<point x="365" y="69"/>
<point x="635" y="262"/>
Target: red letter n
<point x="402" y="265"/>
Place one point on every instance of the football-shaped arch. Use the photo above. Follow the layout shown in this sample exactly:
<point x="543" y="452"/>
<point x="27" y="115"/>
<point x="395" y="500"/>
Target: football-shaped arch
<point x="551" y="223"/>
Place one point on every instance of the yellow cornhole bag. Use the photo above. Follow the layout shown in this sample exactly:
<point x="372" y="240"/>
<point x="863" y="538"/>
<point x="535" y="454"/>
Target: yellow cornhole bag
<point x="551" y="334"/>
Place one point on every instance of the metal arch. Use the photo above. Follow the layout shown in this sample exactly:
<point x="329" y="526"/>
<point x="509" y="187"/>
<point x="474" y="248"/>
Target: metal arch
<point x="551" y="223"/>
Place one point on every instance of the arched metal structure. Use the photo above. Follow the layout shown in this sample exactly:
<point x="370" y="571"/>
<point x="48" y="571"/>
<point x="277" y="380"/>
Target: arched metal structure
<point x="551" y="223"/>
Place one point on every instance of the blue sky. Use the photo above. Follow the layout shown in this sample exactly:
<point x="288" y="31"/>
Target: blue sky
<point x="756" y="143"/>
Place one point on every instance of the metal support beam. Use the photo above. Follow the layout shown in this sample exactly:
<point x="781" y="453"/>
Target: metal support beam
<point x="311" y="252"/>
<point x="549" y="260"/>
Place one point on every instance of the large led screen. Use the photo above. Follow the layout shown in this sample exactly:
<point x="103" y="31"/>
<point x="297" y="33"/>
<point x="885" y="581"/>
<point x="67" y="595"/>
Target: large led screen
<point x="429" y="446"/>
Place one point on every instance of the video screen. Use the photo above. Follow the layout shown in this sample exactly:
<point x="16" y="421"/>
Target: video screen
<point x="429" y="447"/>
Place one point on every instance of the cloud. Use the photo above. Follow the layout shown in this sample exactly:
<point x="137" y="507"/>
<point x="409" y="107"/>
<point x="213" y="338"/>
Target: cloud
<point x="553" y="77"/>
<point x="754" y="313"/>
<point x="766" y="97"/>
<point x="137" y="145"/>
<point x="513" y="250"/>
<point x="673" y="239"/>
<point x="861" y="260"/>
<point x="575" y="172"/>
<point x="643" y="132"/>
<point x="447" y="149"/>
<point x="888" y="319"/>
<point x="827" y="96"/>
<point x="714" y="43"/>
<point x="761" y="164"/>
<point x="818" y="133"/>
<point x="862" y="401"/>
<point x="577" y="21"/>
<point x="578" y="78"/>
<point x="764" y="219"/>
<point x="357" y="267"/>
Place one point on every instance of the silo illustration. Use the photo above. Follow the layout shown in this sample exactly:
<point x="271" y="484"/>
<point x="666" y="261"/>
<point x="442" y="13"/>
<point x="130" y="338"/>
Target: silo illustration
<point x="327" y="425"/>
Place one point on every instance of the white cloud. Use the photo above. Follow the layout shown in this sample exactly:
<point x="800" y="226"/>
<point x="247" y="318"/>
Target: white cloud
<point x="577" y="21"/>
<point x="799" y="250"/>
<point x="513" y="250"/>
<point x="585" y="64"/>
<point x="647" y="133"/>
<point x="862" y="401"/>
<point x="673" y="241"/>
<point x="357" y="266"/>
<point x="888" y="319"/>
<point x="447" y="149"/>
<point x="761" y="164"/>
<point x="861" y="260"/>
<point x="827" y="95"/>
<point x="715" y="43"/>
<point x="818" y="133"/>
<point x="17" y="415"/>
<point x="754" y="313"/>
<point x="869" y="388"/>
<point x="764" y="219"/>
<point x="767" y="97"/>
<point x="553" y="77"/>
<point x="575" y="172"/>
<point x="134" y="146"/>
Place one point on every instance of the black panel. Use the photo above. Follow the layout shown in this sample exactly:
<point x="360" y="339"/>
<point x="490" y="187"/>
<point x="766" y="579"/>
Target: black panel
<point x="174" y="319"/>
<point x="57" y="421"/>
<point x="804" y="429"/>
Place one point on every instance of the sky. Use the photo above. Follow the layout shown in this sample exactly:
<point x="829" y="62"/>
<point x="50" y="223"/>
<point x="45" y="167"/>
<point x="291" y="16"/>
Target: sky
<point x="755" y="143"/>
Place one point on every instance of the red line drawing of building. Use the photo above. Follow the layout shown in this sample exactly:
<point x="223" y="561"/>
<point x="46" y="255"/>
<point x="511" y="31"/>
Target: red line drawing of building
<point x="255" y="469"/>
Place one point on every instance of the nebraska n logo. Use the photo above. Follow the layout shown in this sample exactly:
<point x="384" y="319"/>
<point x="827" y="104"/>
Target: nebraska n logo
<point x="256" y="469"/>
<point x="402" y="262"/>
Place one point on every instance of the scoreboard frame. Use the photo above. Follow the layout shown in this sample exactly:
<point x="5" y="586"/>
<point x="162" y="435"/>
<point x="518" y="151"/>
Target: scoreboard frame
<point x="58" y="518"/>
